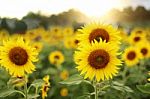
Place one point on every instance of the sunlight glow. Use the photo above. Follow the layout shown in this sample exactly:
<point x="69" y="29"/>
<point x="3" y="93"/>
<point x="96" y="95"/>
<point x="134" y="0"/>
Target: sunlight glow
<point x="92" y="8"/>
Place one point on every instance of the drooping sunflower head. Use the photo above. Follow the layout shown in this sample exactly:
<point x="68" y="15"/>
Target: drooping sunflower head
<point x="99" y="60"/>
<point x="45" y="86"/>
<point x="131" y="56"/>
<point x="56" y="58"/>
<point x="144" y="48"/>
<point x="95" y="31"/>
<point x="17" y="57"/>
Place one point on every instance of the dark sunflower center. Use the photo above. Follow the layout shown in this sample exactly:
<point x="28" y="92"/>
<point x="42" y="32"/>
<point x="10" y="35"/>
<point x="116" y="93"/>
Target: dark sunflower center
<point x="56" y="30"/>
<point x="136" y="39"/>
<point x="18" y="56"/>
<point x="139" y="31"/>
<point x="97" y="34"/>
<point x="38" y="38"/>
<point x="56" y="57"/>
<point x="98" y="59"/>
<point x="76" y="41"/>
<point x="131" y="55"/>
<point x="144" y="51"/>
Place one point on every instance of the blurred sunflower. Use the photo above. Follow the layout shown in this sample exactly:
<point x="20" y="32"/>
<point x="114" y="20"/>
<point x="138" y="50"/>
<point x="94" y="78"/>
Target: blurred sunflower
<point x="64" y="92"/>
<point x="68" y="31"/>
<point x="99" y="60"/>
<point x="45" y="86"/>
<point x="138" y="30"/>
<point x="17" y="57"/>
<point x="4" y="34"/>
<point x="96" y="31"/>
<point x="56" y="32"/>
<point x="136" y="38"/>
<point x="144" y="48"/>
<point x="131" y="56"/>
<point x="68" y="42"/>
<point x="38" y="46"/>
<point x="56" y="58"/>
<point x="64" y="74"/>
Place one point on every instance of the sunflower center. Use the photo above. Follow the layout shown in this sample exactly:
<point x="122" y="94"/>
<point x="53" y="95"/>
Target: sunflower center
<point x="139" y="31"/>
<point x="76" y="41"/>
<point x="56" y="57"/>
<point x="97" y="34"/>
<point x="131" y="55"/>
<point x="136" y="39"/>
<point x="98" y="59"/>
<point x="18" y="56"/>
<point x="144" y="51"/>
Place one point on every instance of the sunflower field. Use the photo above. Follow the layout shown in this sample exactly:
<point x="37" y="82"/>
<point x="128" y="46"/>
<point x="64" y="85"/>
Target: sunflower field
<point x="67" y="56"/>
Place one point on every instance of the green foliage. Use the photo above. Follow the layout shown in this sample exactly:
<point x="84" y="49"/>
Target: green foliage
<point x="144" y="88"/>
<point x="73" y="80"/>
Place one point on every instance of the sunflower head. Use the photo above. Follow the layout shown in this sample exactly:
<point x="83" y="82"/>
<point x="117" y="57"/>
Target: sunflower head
<point x="98" y="60"/>
<point x="97" y="31"/>
<point x="64" y="75"/>
<point x="56" y="58"/>
<point x="131" y="56"/>
<point x="45" y="86"/>
<point x="17" y="57"/>
<point x="144" y="48"/>
<point x="136" y="38"/>
<point x="64" y="92"/>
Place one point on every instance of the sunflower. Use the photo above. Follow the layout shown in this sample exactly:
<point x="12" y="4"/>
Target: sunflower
<point x="64" y="92"/>
<point x="96" y="31"/>
<point x="136" y="38"/>
<point x="144" y="48"/>
<point x="138" y="30"/>
<point x="68" y="42"/>
<point x="45" y="86"/>
<point x="38" y="46"/>
<point x="64" y="74"/>
<point x="56" y="58"/>
<point x="68" y="31"/>
<point x="99" y="60"/>
<point x="131" y="56"/>
<point x="17" y="57"/>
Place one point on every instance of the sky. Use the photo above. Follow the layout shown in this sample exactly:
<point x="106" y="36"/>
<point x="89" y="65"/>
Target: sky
<point x="92" y="8"/>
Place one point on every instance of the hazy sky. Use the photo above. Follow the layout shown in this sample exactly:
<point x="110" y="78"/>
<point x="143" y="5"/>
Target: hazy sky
<point x="19" y="8"/>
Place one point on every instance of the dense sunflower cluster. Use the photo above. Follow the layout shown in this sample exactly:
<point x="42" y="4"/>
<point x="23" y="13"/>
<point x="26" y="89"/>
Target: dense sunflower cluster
<point x="96" y="56"/>
<point x="138" y="46"/>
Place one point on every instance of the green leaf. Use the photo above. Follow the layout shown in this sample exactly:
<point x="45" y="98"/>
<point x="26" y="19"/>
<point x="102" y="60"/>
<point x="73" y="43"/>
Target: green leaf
<point x="31" y="96"/>
<point x="37" y="83"/>
<point x="144" y="88"/>
<point x="73" y="80"/>
<point x="119" y="86"/>
<point x="6" y="92"/>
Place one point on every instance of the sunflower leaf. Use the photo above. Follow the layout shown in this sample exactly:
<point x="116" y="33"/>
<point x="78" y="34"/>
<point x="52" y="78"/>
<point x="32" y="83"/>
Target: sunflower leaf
<point x="144" y="88"/>
<point x="37" y="83"/>
<point x="73" y="80"/>
<point x="31" y="96"/>
<point x="7" y="91"/>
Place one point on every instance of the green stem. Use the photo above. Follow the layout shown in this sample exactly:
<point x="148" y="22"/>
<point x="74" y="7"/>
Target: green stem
<point x="124" y="74"/>
<point x="36" y="91"/>
<point x="20" y="92"/>
<point x="96" y="91"/>
<point x="26" y="90"/>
